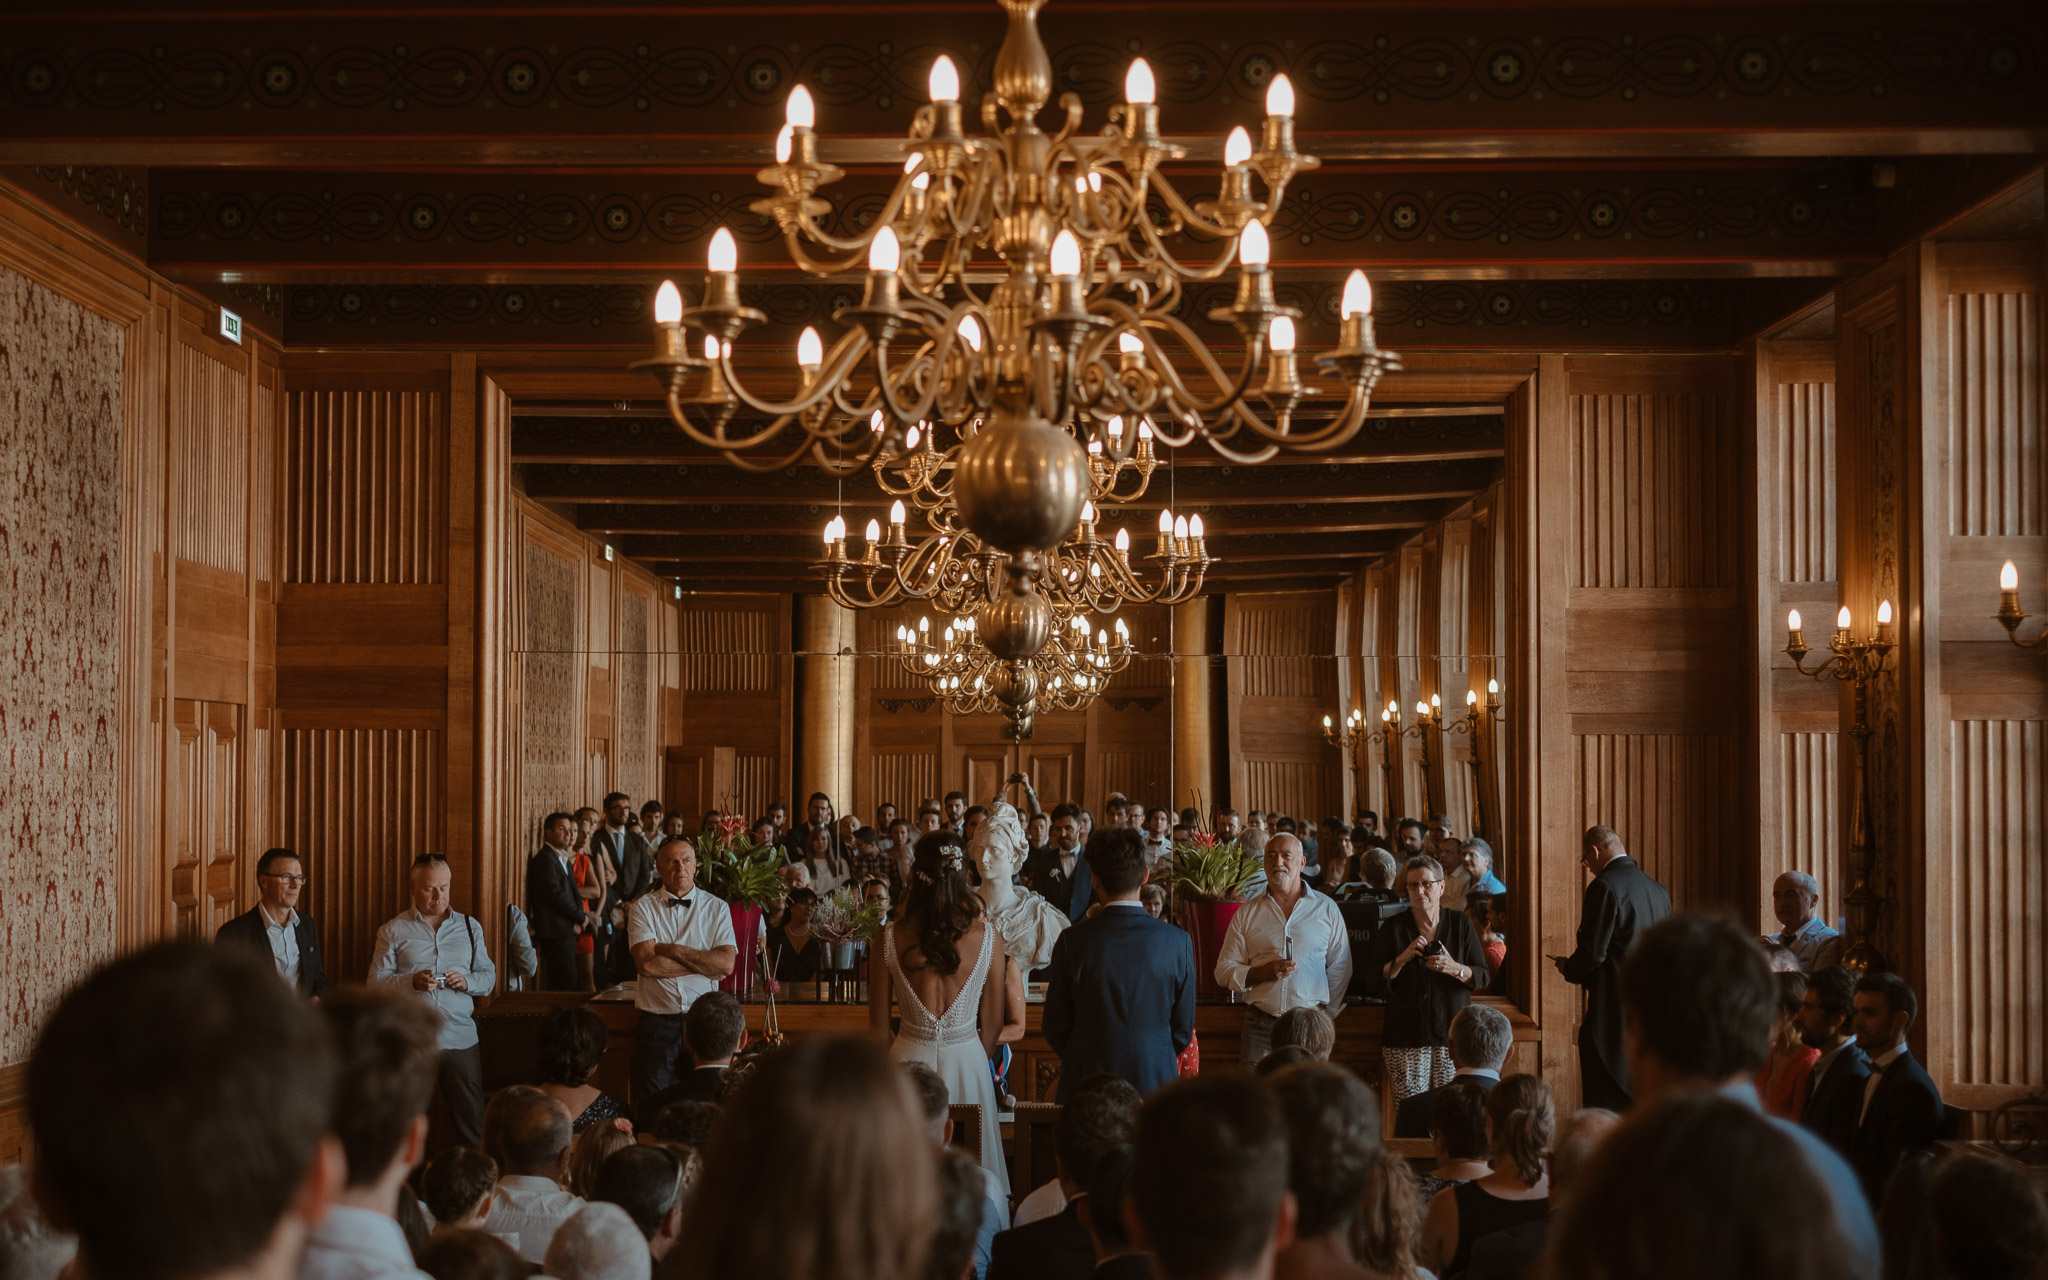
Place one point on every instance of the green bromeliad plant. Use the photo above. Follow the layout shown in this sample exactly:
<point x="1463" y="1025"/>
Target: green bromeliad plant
<point x="841" y="916"/>
<point x="736" y="869"/>
<point x="1206" y="869"/>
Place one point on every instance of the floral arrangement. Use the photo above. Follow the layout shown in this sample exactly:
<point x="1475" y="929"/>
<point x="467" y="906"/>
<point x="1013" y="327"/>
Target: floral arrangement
<point x="737" y="869"/>
<point x="841" y="916"/>
<point x="1206" y="869"/>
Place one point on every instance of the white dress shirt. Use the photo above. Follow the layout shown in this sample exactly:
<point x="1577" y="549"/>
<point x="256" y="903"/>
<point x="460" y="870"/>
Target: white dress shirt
<point x="1314" y="936"/>
<point x="357" y="1244"/>
<point x="526" y="1211"/>
<point x="697" y="920"/>
<point x="407" y="944"/>
<point x="284" y="945"/>
<point x="1048" y="1201"/>
<point x="1877" y="1066"/>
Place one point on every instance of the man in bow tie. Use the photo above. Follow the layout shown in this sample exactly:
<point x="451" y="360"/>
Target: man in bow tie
<point x="1795" y="900"/>
<point x="682" y="943"/>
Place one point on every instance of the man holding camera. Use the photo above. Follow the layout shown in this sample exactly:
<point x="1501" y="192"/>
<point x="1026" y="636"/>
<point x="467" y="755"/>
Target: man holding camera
<point x="438" y="953"/>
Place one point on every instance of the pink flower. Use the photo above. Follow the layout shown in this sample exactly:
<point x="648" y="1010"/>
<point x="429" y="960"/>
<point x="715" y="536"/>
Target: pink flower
<point x="623" y="1125"/>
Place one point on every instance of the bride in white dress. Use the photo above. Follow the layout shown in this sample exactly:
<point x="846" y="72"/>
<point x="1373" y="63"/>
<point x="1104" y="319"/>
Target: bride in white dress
<point x="938" y="958"/>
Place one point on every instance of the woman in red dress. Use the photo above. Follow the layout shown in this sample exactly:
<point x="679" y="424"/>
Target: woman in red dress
<point x="1781" y="1081"/>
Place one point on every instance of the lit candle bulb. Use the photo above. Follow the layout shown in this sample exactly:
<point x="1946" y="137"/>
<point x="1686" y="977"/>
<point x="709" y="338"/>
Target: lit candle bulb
<point x="1280" y="97"/>
<point x="783" y="137"/>
<point x="1842" y="619"/>
<point x="945" y="80"/>
<point x="1326" y="722"/>
<point x="1471" y="697"/>
<point x="1393" y="708"/>
<point x="1884" y="622"/>
<point x="800" y="112"/>
<point x="1493" y="688"/>
<point x="1087" y="512"/>
<point x="923" y="624"/>
<point x="1122" y="630"/>
<point x="1237" y="148"/>
<point x="668" y="308"/>
<point x="1792" y="621"/>
<point x="874" y="532"/>
<point x="1130" y="344"/>
<point x="1123" y="542"/>
<point x="1138" y="86"/>
<point x="1386" y="717"/>
<point x="710" y="347"/>
<point x="1066" y="255"/>
<point x="1195" y="528"/>
<point x="1115" y="428"/>
<point x="884" y="253"/>
<point x="1180" y="528"/>
<point x="911" y="437"/>
<point x="1282" y="336"/>
<point x="1421" y="707"/>
<point x="725" y="251"/>
<point x="2008" y="577"/>
<point x="970" y="329"/>
<point x="896" y="512"/>
<point x="1435" y="702"/>
<point x="810" y="351"/>
<point x="1357" y="295"/>
<point x="1166" y="520"/>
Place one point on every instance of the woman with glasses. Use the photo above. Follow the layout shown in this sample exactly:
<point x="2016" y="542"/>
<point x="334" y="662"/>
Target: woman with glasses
<point x="1426" y="965"/>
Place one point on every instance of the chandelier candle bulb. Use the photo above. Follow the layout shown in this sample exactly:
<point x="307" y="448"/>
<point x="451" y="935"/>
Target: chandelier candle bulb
<point x="783" y="138"/>
<point x="885" y="255"/>
<point x="810" y="353"/>
<point x="722" y="281"/>
<point x="668" y="316"/>
<point x="1884" y="622"/>
<point x="1842" y="621"/>
<point x="668" y="307"/>
<point x="799" y="112"/>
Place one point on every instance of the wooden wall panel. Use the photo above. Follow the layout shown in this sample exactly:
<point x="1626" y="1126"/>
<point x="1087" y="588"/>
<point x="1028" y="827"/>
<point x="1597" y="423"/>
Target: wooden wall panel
<point x="1652" y="468"/>
<point x="550" y="759"/>
<point x="213" y="443"/>
<point x="1805" y="768"/>
<point x="367" y="478"/>
<point x="1281" y="668"/>
<point x="1991" y="1015"/>
<point x="634" y="738"/>
<point x="1803" y="434"/>
<point x="1669" y="795"/>
<point x="361" y="805"/>
<point x="1993" y="356"/>
<point x="728" y="649"/>
<point x="209" y="817"/>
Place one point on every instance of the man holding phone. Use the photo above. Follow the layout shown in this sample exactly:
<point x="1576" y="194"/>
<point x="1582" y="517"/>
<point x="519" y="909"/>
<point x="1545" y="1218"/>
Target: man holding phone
<point x="1621" y="902"/>
<point x="437" y="952"/>
<point x="1287" y="947"/>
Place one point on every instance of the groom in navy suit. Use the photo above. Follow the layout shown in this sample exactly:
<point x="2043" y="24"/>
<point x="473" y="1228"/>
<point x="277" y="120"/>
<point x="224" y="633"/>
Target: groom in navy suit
<point x="1060" y="873"/>
<point x="1122" y="993"/>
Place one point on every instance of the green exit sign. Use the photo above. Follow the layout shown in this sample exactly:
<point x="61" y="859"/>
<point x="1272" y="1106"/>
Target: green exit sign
<point x="230" y="326"/>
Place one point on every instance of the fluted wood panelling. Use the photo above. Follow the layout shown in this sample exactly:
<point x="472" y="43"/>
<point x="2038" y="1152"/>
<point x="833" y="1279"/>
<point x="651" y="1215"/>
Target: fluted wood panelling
<point x="211" y="439"/>
<point x="1809" y="834"/>
<point x="360" y="805"/>
<point x="635" y="736"/>
<point x="1649" y="474"/>
<point x="1269" y="638"/>
<point x="1806" y="481"/>
<point x="903" y="778"/>
<point x="1998" y="898"/>
<point x="366" y="486"/>
<point x="754" y="785"/>
<point x="551" y="742"/>
<point x="727" y="649"/>
<point x="1301" y="788"/>
<point x="1994" y="414"/>
<point x="1142" y="774"/>
<point x="1673" y="798"/>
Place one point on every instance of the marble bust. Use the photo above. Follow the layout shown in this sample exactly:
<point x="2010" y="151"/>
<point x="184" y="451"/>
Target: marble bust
<point x="1029" y="924"/>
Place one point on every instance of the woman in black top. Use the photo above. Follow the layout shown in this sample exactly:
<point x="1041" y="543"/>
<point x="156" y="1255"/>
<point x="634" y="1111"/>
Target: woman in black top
<point x="1426" y="965"/>
<point x="1520" y="1120"/>
<point x="793" y="949"/>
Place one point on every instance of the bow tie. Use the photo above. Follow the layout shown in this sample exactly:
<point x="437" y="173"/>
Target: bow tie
<point x="674" y="901"/>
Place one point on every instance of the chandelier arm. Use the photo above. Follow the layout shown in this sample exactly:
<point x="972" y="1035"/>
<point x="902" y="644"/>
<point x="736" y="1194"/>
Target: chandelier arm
<point x="815" y="232"/>
<point x="1187" y="400"/>
<point x="1163" y="259"/>
<point x="1186" y="214"/>
<point x="716" y="439"/>
<point x="844" y="356"/>
<point x="1322" y="440"/>
<point x="883" y="384"/>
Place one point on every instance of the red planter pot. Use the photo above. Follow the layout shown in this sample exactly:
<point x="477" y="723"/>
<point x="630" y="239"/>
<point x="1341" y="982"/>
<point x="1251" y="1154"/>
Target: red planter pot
<point x="1206" y="923"/>
<point x="746" y="930"/>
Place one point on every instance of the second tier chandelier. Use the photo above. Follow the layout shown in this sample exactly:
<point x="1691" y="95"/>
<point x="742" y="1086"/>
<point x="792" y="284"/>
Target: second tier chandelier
<point x="966" y="677"/>
<point x="1010" y="390"/>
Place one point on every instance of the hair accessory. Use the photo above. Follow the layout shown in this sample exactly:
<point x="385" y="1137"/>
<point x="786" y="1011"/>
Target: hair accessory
<point x="950" y="857"/>
<point x="623" y="1125"/>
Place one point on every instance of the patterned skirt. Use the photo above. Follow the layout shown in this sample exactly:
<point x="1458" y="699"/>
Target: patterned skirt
<point x="1413" y="1071"/>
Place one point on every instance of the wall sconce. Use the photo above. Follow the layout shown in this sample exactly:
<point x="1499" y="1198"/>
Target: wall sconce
<point x="1858" y="662"/>
<point x="2009" y="615"/>
<point x="1476" y="713"/>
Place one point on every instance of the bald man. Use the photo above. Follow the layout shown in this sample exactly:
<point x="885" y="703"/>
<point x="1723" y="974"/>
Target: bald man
<point x="1795" y="900"/>
<point x="1620" y="903"/>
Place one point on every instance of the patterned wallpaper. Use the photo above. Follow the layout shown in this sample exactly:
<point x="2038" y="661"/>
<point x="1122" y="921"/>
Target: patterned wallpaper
<point x="60" y="478"/>
<point x="551" y="754"/>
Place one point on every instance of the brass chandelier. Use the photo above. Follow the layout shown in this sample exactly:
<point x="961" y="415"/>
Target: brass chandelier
<point x="995" y="405"/>
<point x="1065" y="675"/>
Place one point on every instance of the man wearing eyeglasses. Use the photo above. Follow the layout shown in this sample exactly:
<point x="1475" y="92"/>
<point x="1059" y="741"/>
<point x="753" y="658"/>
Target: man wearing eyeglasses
<point x="274" y="927"/>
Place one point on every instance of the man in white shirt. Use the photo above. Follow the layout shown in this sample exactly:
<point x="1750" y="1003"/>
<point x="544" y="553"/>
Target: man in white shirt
<point x="388" y="1060"/>
<point x="1158" y="837"/>
<point x="682" y="942"/>
<point x="437" y="954"/>
<point x="529" y="1203"/>
<point x="1285" y="948"/>
<point x="1795" y="899"/>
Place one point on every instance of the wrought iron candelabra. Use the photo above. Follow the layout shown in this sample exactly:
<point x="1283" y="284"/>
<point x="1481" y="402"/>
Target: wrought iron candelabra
<point x="1858" y="662"/>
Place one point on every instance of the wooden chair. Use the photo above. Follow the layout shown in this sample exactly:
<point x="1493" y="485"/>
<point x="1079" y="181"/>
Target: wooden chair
<point x="966" y="1117"/>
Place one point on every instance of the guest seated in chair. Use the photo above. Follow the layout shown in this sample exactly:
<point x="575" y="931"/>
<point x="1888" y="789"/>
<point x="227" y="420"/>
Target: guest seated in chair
<point x="572" y="1042"/>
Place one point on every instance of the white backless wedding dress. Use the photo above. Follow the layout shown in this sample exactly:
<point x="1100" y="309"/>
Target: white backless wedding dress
<point x="950" y="1045"/>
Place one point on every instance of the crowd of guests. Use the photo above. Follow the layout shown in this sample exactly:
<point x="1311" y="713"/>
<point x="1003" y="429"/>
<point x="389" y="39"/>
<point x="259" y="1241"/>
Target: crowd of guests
<point x="193" y="1118"/>
<point x="197" y="1111"/>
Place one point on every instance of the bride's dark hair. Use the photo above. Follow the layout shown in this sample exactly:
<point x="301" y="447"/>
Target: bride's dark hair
<point x="940" y="900"/>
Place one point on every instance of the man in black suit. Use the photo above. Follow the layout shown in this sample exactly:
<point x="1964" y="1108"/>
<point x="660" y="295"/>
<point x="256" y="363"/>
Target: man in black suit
<point x="555" y="912"/>
<point x="1901" y="1109"/>
<point x="274" y="928"/>
<point x="1061" y="874"/>
<point x="1480" y="1040"/>
<point x="1834" y="1088"/>
<point x="1097" y="1118"/>
<point x="1619" y="905"/>
<point x="1122" y="992"/>
<point x="715" y="1030"/>
<point x="631" y="859"/>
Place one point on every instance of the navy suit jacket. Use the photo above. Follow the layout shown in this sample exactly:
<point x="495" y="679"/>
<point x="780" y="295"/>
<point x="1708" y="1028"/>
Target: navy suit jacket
<point x="1904" y="1115"/>
<point x="1832" y="1108"/>
<point x="1121" y="998"/>
<point x="1071" y="894"/>
<point x="551" y="902"/>
<point x="1055" y="1248"/>
<point x="250" y="930"/>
